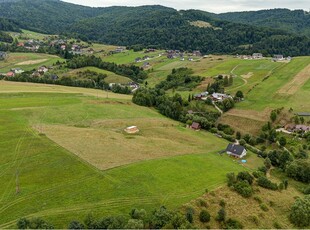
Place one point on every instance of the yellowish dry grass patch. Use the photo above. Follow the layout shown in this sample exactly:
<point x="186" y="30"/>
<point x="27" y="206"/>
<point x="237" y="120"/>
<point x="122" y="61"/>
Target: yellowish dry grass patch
<point x="105" y="145"/>
<point x="242" y="124"/>
<point x="298" y="81"/>
<point x="251" y="114"/>
<point x="247" y="210"/>
<point x="31" y="62"/>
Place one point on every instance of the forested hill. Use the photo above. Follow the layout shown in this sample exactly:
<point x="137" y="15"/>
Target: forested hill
<point x="297" y="21"/>
<point x="155" y="26"/>
<point x="48" y="16"/>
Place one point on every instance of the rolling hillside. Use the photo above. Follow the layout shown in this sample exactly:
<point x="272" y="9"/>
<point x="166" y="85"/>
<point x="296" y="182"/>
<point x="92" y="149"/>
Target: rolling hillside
<point x="155" y="26"/>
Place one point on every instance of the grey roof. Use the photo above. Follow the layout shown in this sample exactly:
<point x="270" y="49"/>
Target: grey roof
<point x="303" y="114"/>
<point x="235" y="149"/>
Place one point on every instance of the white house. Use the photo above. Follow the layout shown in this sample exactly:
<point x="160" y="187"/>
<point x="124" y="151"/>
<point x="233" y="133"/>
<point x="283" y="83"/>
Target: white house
<point x="236" y="150"/>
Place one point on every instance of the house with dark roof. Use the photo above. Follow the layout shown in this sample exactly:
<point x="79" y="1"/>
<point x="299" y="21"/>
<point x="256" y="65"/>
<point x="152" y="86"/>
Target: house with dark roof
<point x="236" y="150"/>
<point x="3" y="55"/>
<point x="195" y="126"/>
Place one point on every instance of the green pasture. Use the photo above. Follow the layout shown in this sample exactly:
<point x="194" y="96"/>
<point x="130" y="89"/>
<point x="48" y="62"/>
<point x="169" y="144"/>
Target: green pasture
<point x="111" y="77"/>
<point x="27" y="61"/>
<point x="58" y="186"/>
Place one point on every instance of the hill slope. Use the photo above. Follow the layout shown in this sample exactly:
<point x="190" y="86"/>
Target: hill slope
<point x="155" y="26"/>
<point x="297" y="21"/>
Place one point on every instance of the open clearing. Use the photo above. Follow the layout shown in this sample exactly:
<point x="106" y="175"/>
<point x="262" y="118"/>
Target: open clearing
<point x="59" y="186"/>
<point x="31" y="62"/>
<point x="299" y="80"/>
<point x="27" y="61"/>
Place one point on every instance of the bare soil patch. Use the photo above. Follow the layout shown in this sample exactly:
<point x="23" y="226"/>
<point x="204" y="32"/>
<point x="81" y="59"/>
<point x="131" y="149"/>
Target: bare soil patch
<point x="298" y="81"/>
<point x="32" y="62"/>
<point x="248" y="75"/>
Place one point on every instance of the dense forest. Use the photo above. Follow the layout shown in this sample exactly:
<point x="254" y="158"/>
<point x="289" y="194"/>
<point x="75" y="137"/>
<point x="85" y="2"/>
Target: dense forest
<point x="297" y="21"/>
<point x="158" y="27"/>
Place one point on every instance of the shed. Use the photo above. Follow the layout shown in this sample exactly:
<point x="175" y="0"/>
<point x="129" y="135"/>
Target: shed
<point x="132" y="129"/>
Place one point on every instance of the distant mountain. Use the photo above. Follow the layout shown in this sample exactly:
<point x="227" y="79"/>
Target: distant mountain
<point x="296" y="21"/>
<point x="155" y="26"/>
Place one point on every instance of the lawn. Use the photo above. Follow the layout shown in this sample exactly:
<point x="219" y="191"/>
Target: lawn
<point x="58" y="185"/>
<point x="27" y="61"/>
<point x="111" y="77"/>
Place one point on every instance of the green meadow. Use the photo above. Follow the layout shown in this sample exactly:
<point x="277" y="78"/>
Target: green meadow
<point x="58" y="185"/>
<point x="27" y="61"/>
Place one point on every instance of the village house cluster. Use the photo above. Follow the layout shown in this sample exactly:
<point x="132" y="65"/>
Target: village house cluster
<point x="259" y="56"/>
<point x="216" y="97"/>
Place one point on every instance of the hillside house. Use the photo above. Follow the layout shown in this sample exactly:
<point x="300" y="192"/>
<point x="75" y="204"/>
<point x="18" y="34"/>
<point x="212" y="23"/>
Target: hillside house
<point x="43" y="69"/>
<point x="297" y="128"/>
<point x="237" y="151"/>
<point x="201" y="96"/>
<point x="138" y="59"/>
<point x="257" y="56"/>
<point x="17" y="70"/>
<point x="20" y="44"/>
<point x="278" y="57"/>
<point x="197" y="53"/>
<point x="220" y="97"/>
<point x="119" y="49"/>
<point x="10" y="74"/>
<point x="63" y="47"/>
<point x="3" y="55"/>
<point x="195" y="126"/>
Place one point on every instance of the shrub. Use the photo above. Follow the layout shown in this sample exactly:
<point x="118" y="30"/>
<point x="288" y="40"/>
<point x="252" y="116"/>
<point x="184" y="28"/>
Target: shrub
<point x="190" y="214"/>
<point x="243" y="188"/>
<point x="231" y="179"/>
<point x="258" y="199"/>
<point x="264" y="207"/>
<point x="233" y="224"/>
<point x="221" y="215"/>
<point x="75" y="225"/>
<point x="204" y="216"/>
<point x="246" y="176"/>
<point x="222" y="203"/>
<point x="276" y="225"/>
<point x="202" y="203"/>
<point x="254" y="219"/>
<point x="258" y="174"/>
<point x="300" y="210"/>
<point x="307" y="190"/>
<point x="266" y="183"/>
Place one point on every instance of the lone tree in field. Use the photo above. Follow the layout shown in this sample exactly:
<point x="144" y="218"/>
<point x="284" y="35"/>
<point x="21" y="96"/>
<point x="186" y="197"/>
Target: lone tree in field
<point x="273" y="116"/>
<point x="239" y="94"/>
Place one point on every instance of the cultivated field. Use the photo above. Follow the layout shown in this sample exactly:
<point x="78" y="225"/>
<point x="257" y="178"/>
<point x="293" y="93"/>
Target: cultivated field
<point x="60" y="184"/>
<point x="27" y="61"/>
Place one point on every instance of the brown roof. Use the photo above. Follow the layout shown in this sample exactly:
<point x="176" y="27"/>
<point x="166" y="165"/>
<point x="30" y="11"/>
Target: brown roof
<point x="195" y="125"/>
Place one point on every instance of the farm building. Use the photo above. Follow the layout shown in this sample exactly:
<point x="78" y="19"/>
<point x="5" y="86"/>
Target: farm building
<point x="278" y="57"/>
<point x="236" y="150"/>
<point x="297" y="128"/>
<point x="219" y="96"/>
<point x="17" y="70"/>
<point x="201" y="96"/>
<point x="131" y="129"/>
<point x="3" y="55"/>
<point x="257" y="56"/>
<point x="303" y="114"/>
<point x="195" y="126"/>
<point x="10" y="74"/>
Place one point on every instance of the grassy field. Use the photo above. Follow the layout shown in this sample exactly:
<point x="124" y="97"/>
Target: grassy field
<point x="60" y="186"/>
<point x="27" y="61"/>
<point x="112" y="77"/>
